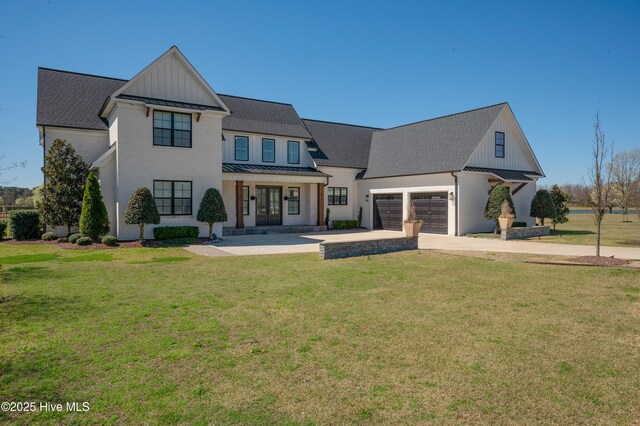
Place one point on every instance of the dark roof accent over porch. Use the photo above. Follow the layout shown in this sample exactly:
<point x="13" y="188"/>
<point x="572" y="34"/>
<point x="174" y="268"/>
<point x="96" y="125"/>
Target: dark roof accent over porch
<point x="503" y="173"/>
<point x="167" y="103"/>
<point x="271" y="170"/>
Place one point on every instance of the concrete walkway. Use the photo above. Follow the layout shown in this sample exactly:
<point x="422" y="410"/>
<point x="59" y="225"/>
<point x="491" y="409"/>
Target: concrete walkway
<point x="308" y="243"/>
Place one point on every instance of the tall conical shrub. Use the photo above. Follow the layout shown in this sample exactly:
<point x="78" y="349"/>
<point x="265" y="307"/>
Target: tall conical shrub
<point x="94" y="219"/>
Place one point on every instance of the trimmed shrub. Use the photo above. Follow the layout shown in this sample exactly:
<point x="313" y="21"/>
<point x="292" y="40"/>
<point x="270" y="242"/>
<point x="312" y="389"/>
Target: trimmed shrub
<point x="3" y="228"/>
<point x="24" y="224"/>
<point x="94" y="219"/>
<point x="141" y="210"/>
<point x="49" y="236"/>
<point x="519" y="225"/>
<point x="360" y="217"/>
<point x="212" y="209"/>
<point x="170" y="232"/>
<point x="326" y="218"/>
<point x="493" y="209"/>
<point x="109" y="240"/>
<point x="344" y="224"/>
<point x="73" y="238"/>
<point x="83" y="241"/>
<point x="542" y="206"/>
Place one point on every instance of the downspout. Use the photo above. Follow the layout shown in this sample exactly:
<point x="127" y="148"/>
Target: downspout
<point x="44" y="157"/>
<point x="455" y="179"/>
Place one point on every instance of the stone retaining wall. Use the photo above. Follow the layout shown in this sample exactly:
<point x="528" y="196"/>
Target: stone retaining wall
<point x="522" y="233"/>
<point x="337" y="250"/>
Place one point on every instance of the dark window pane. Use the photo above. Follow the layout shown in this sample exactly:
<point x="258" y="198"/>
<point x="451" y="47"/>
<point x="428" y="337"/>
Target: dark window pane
<point x="268" y="150"/>
<point x="245" y="200"/>
<point x="242" y="148"/>
<point x="293" y="152"/>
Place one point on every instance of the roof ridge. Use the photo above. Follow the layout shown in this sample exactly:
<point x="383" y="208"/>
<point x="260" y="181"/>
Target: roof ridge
<point x="82" y="73"/>
<point x="255" y="99"/>
<point x="445" y="116"/>
<point x="343" y="124"/>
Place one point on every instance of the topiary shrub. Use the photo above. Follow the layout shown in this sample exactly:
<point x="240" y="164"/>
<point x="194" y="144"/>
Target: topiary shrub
<point x="326" y="218"/>
<point x="211" y="209"/>
<point x="73" y="238"/>
<point x="24" y="224"/>
<point x="109" y="240"/>
<point x="141" y="210"/>
<point x="49" y="236"/>
<point x="542" y="206"/>
<point x="493" y="208"/>
<point x="344" y="224"/>
<point x="360" y="217"/>
<point x="3" y="229"/>
<point x="94" y="219"/>
<point x="170" y="232"/>
<point x="83" y="241"/>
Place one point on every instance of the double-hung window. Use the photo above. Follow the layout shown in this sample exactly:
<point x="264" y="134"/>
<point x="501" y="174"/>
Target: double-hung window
<point x="172" y="197"/>
<point x="171" y="129"/>
<point x="294" y="200"/>
<point x="499" y="144"/>
<point x="245" y="200"/>
<point x="242" y="148"/>
<point x="268" y="151"/>
<point x="293" y="152"/>
<point x="337" y="196"/>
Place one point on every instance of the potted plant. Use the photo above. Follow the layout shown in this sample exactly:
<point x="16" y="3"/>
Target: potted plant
<point x="506" y="216"/>
<point x="411" y="225"/>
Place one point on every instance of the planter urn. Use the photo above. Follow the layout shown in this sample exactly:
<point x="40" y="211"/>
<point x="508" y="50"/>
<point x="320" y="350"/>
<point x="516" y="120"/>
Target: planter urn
<point x="411" y="229"/>
<point x="505" y="222"/>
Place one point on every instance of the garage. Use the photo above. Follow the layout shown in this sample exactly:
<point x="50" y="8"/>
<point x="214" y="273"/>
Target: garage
<point x="432" y="208"/>
<point x="387" y="211"/>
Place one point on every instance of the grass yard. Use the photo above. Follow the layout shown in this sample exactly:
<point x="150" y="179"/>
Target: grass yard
<point x="581" y="230"/>
<point x="158" y="335"/>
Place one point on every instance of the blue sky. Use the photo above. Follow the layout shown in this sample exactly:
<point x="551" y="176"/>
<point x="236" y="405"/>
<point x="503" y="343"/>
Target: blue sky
<point x="380" y="64"/>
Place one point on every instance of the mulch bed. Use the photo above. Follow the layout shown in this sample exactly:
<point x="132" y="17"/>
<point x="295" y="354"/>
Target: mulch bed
<point x="63" y="244"/>
<point x="600" y="261"/>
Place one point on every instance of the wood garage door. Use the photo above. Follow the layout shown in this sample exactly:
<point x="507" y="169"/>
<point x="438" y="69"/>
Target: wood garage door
<point x="433" y="209"/>
<point x="387" y="212"/>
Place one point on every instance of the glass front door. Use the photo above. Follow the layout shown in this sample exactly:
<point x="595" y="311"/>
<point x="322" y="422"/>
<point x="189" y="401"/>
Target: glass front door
<point x="268" y="205"/>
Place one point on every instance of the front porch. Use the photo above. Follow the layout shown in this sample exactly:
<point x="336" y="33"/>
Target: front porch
<point x="272" y="199"/>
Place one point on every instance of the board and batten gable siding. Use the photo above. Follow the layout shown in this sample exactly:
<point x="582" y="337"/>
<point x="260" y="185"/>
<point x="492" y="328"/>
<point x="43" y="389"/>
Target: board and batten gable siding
<point x="255" y="150"/>
<point x="406" y="185"/>
<point x="170" y="79"/>
<point x="342" y="177"/>
<point x="139" y="163"/>
<point x="518" y="156"/>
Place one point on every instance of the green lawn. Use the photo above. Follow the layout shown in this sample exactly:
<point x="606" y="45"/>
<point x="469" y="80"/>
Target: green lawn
<point x="152" y="336"/>
<point x="581" y="230"/>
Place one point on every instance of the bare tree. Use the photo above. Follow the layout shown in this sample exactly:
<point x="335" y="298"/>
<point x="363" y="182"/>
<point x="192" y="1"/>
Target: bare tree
<point x="599" y="178"/>
<point x="13" y="165"/>
<point x="625" y="174"/>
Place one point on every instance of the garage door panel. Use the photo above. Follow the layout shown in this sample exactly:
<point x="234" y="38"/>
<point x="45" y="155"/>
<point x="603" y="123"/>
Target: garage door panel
<point x="433" y="209"/>
<point x="387" y="211"/>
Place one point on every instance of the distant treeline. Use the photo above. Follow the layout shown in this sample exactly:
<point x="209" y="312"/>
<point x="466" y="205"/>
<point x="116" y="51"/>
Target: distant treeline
<point x="17" y="196"/>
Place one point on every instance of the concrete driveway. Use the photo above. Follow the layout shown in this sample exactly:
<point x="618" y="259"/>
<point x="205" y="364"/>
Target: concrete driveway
<point x="308" y="243"/>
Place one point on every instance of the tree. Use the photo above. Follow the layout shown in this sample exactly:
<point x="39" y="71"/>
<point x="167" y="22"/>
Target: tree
<point x="65" y="175"/>
<point x="542" y="206"/>
<point x="560" y="199"/>
<point x="493" y="208"/>
<point x="94" y="219"/>
<point x="141" y="210"/>
<point x="599" y="177"/>
<point x="212" y="209"/>
<point x="625" y="173"/>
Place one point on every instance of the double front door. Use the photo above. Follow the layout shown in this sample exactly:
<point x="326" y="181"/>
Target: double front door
<point x="268" y="205"/>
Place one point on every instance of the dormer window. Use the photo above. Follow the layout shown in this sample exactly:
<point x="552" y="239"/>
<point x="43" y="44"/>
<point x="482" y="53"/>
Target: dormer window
<point x="499" y="145"/>
<point x="171" y="129"/>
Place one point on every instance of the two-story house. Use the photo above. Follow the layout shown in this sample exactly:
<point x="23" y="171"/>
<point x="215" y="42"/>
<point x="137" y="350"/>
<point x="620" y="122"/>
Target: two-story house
<point x="168" y="130"/>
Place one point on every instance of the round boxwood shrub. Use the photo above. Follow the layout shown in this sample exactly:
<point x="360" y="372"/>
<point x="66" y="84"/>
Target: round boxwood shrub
<point x="73" y="238"/>
<point x="49" y="236"/>
<point x="109" y="240"/>
<point x="83" y="241"/>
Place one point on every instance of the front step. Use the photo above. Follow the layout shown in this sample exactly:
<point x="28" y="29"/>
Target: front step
<point x="264" y="230"/>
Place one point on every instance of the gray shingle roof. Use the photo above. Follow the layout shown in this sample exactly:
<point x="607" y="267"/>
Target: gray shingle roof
<point x="70" y="99"/>
<point x="504" y="173"/>
<point x="256" y="116"/>
<point x="432" y="146"/>
<point x="270" y="170"/>
<point x="341" y="145"/>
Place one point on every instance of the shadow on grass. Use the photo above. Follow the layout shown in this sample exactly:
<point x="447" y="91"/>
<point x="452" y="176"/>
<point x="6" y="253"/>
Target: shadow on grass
<point x="569" y="233"/>
<point x="28" y="258"/>
<point x="26" y="272"/>
<point x="40" y="308"/>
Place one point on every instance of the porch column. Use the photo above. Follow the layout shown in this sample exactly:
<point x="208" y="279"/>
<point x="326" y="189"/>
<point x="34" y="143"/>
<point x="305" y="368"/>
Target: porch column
<point x="320" y="204"/>
<point x="239" y="212"/>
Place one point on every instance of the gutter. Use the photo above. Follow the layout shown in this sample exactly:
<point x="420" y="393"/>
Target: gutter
<point x="455" y="177"/>
<point x="44" y="157"/>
